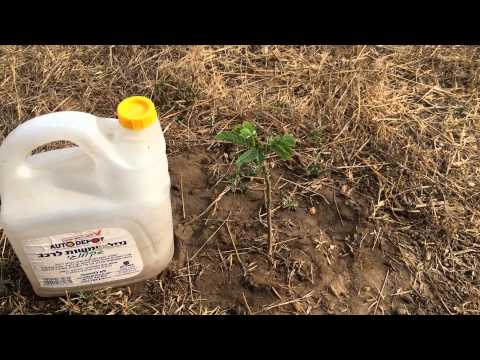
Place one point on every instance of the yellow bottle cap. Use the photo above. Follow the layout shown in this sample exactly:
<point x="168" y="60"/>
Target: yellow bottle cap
<point x="136" y="112"/>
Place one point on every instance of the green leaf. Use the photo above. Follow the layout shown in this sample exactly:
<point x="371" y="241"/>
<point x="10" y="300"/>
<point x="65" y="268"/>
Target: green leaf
<point x="250" y="155"/>
<point x="232" y="137"/>
<point x="242" y="134"/>
<point x="289" y="140"/>
<point x="282" y="146"/>
<point x="249" y="126"/>
<point x="246" y="133"/>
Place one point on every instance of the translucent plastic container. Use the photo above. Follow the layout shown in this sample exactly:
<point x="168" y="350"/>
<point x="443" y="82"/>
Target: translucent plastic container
<point x="90" y="216"/>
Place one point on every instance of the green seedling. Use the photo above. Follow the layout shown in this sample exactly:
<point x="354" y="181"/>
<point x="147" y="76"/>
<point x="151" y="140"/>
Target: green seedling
<point x="313" y="170"/>
<point x="257" y="152"/>
<point x="289" y="202"/>
<point x="316" y="136"/>
<point x="236" y="183"/>
<point x="237" y="180"/>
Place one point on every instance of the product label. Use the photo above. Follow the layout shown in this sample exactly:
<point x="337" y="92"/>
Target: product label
<point x="85" y="258"/>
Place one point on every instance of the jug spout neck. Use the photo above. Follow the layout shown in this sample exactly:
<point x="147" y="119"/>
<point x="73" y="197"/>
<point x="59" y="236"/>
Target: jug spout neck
<point x="149" y="133"/>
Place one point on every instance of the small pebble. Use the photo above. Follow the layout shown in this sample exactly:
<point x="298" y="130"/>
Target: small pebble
<point x="312" y="211"/>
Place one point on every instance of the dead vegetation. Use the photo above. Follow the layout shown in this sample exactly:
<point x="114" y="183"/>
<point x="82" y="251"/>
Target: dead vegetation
<point x="387" y="155"/>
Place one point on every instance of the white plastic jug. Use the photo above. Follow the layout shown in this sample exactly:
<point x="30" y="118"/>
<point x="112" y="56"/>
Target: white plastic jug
<point x="90" y="216"/>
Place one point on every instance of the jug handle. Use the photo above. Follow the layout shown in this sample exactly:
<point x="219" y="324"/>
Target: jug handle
<point x="77" y="127"/>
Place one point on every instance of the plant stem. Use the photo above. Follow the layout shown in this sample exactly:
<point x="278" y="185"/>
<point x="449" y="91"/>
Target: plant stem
<point x="268" y="205"/>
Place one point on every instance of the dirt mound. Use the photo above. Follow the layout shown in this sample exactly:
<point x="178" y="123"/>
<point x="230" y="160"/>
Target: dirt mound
<point x="316" y="269"/>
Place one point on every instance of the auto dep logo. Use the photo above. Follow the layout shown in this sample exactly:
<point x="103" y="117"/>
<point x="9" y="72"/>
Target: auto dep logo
<point x="78" y="240"/>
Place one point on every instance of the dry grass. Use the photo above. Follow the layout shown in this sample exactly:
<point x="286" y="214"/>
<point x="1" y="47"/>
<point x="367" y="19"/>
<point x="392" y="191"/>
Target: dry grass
<point x="395" y="125"/>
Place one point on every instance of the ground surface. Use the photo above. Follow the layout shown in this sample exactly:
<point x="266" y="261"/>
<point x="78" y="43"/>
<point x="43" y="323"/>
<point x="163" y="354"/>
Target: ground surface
<point x="387" y="154"/>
